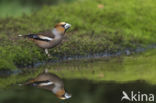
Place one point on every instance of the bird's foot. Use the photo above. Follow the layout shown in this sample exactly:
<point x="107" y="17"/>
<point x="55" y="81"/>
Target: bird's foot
<point x="49" y="56"/>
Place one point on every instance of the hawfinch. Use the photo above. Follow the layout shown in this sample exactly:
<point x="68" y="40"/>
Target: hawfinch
<point x="50" y="82"/>
<point x="50" y="39"/>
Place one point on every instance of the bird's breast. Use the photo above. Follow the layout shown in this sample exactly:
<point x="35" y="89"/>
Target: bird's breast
<point x="48" y="44"/>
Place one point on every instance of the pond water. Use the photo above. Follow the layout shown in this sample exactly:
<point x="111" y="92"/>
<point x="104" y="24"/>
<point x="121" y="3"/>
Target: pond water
<point x="83" y="91"/>
<point x="89" y="81"/>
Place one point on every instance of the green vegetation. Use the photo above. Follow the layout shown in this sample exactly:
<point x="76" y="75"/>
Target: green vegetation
<point x="120" y="69"/>
<point x="98" y="79"/>
<point x="16" y="8"/>
<point x="97" y="26"/>
<point x="118" y="25"/>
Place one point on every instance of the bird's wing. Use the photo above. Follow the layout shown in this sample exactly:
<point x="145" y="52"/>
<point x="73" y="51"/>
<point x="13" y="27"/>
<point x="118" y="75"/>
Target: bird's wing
<point x="39" y="37"/>
<point x="45" y="37"/>
<point x="47" y="33"/>
<point x="42" y="83"/>
<point x="46" y="83"/>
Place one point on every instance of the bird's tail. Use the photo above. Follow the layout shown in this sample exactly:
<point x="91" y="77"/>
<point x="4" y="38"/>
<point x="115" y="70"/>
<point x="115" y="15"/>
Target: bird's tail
<point x="20" y="84"/>
<point x="20" y="35"/>
<point x="29" y="36"/>
<point x="27" y="83"/>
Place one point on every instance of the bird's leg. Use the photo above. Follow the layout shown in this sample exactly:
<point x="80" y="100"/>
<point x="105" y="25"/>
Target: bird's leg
<point x="47" y="53"/>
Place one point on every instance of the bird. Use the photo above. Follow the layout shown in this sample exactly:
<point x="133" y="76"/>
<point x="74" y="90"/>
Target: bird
<point x="51" y="38"/>
<point x="50" y="82"/>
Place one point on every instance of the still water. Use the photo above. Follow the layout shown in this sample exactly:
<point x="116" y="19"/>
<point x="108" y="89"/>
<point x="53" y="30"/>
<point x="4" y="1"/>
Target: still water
<point x="89" y="81"/>
<point x="83" y="91"/>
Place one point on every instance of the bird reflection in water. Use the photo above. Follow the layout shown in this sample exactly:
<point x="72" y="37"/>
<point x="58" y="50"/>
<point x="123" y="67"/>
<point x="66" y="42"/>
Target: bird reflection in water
<point x="51" y="82"/>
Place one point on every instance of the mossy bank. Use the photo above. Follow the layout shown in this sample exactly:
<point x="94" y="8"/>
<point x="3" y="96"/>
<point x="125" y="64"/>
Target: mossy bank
<point x="97" y="26"/>
<point x="124" y="69"/>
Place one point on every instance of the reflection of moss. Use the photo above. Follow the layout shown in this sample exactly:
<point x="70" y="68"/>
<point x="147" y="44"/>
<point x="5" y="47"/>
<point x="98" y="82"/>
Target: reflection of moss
<point x="119" y="69"/>
<point x="94" y="30"/>
<point x="6" y="64"/>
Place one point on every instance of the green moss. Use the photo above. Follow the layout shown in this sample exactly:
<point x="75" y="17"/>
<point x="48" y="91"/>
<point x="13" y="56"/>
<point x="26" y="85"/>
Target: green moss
<point x="17" y="8"/>
<point x="119" y="69"/>
<point x="117" y="26"/>
<point x="6" y="64"/>
<point x="20" y="56"/>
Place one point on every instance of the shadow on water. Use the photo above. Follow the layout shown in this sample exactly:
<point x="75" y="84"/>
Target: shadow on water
<point x="83" y="91"/>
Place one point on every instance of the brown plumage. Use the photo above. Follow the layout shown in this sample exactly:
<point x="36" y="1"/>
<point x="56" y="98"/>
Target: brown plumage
<point x="50" y="39"/>
<point x="50" y="82"/>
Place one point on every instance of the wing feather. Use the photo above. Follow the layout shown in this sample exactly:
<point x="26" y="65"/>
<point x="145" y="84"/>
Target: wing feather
<point x="39" y="37"/>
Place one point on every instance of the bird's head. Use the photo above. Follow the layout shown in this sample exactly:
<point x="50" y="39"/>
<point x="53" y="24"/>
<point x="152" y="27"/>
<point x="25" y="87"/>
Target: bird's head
<point x="61" y="94"/>
<point x="62" y="27"/>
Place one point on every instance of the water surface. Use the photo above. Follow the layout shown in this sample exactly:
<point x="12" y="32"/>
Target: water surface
<point x="89" y="81"/>
<point x="83" y="91"/>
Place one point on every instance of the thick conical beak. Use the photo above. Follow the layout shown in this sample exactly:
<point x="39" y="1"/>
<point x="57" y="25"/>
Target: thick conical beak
<point x="66" y="96"/>
<point x="67" y="26"/>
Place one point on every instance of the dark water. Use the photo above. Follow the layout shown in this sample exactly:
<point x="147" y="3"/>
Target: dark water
<point x="86" y="91"/>
<point x="83" y="91"/>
